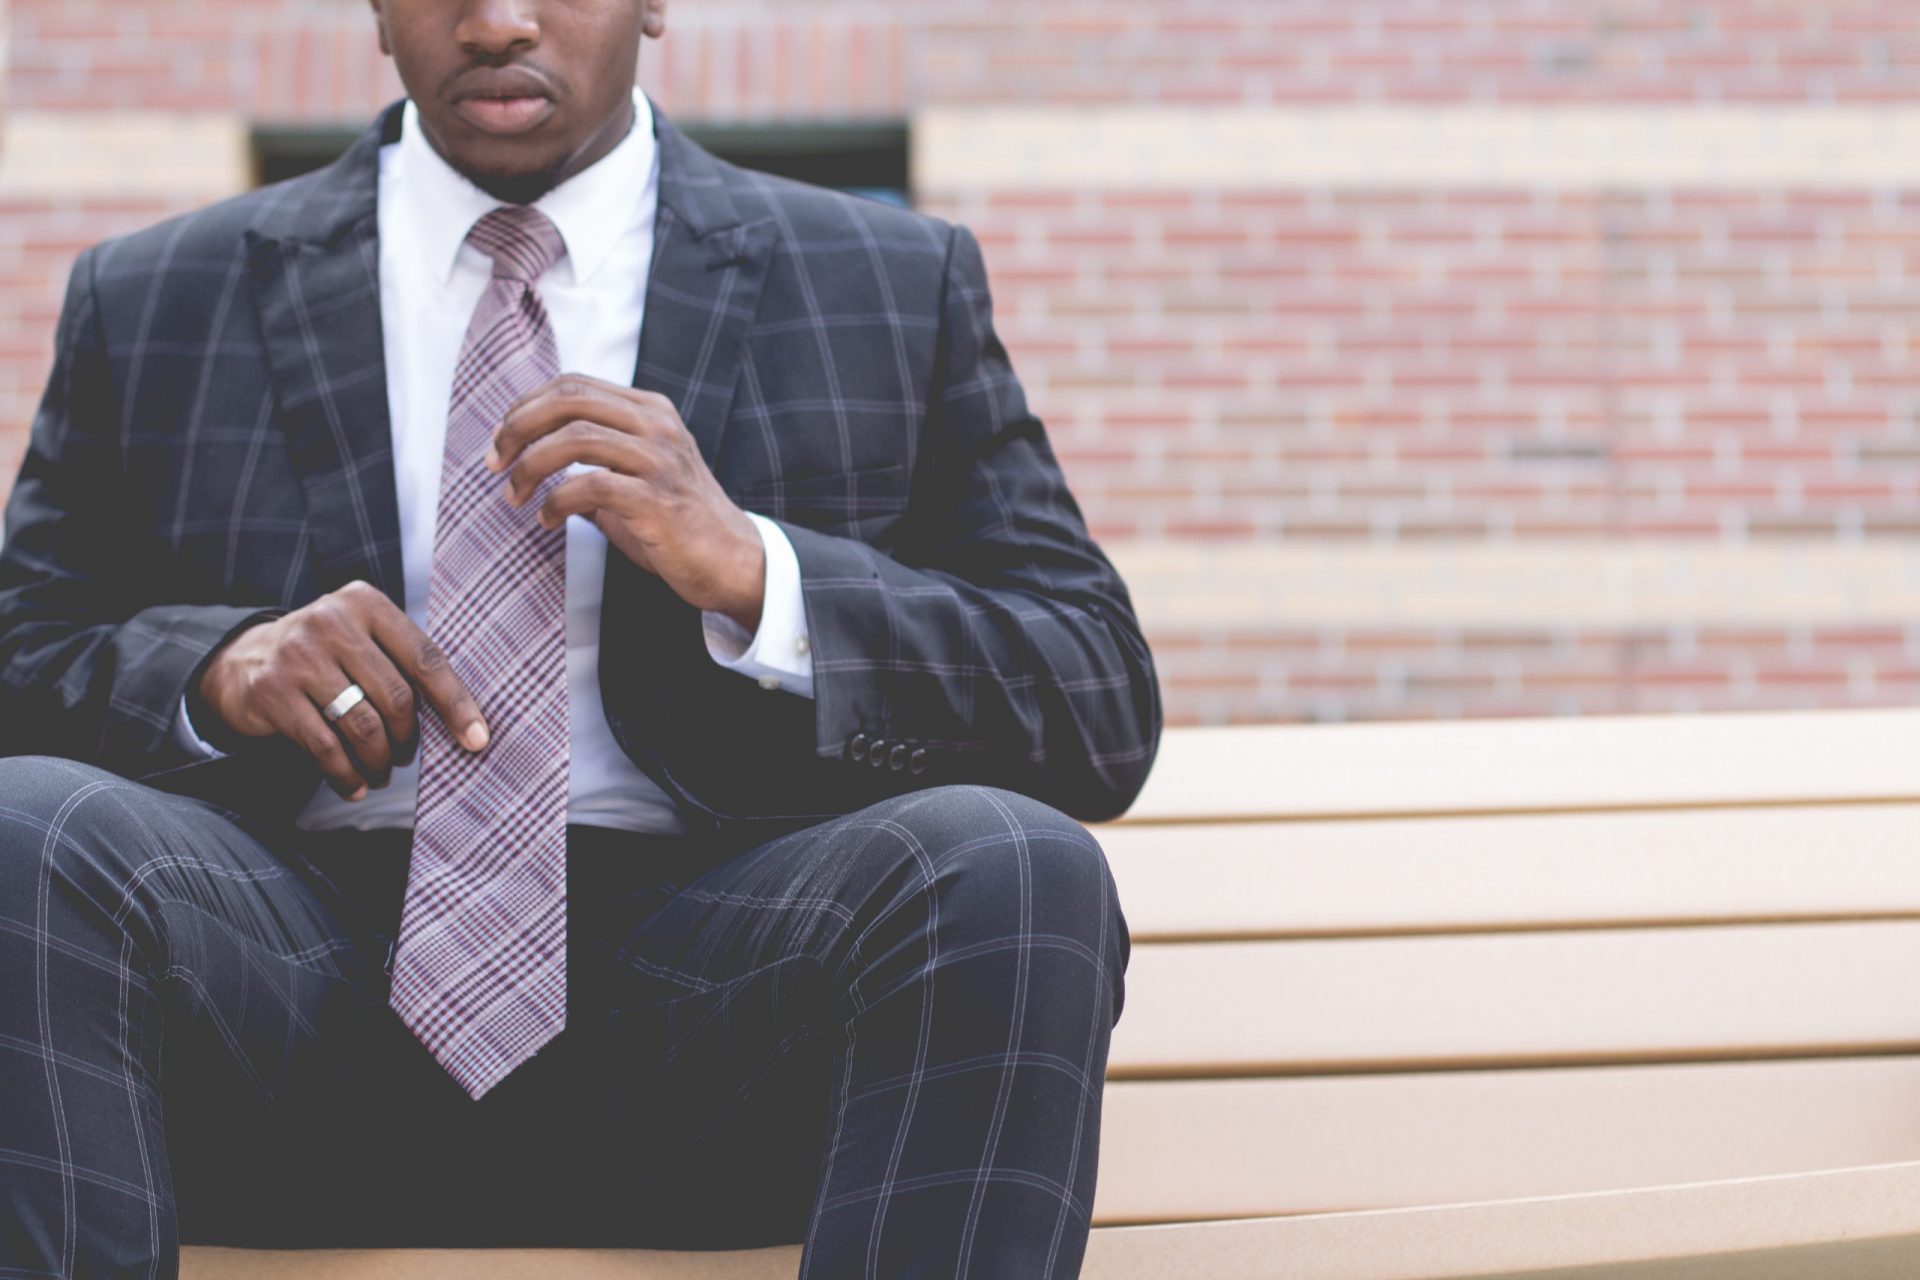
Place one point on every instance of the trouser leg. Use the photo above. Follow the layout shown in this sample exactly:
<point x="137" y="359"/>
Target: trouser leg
<point x="887" y="1036"/>
<point x="884" y="1036"/>
<point x="139" y="928"/>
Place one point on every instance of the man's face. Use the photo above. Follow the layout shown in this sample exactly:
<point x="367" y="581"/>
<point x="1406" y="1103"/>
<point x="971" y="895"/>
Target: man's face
<point x="519" y="95"/>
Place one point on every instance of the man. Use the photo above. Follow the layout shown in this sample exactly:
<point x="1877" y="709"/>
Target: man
<point x="545" y="671"/>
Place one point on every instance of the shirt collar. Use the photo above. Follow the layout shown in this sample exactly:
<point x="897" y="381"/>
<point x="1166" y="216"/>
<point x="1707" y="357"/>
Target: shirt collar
<point x="592" y="209"/>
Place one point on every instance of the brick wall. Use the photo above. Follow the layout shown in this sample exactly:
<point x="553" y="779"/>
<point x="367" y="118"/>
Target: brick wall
<point x="1410" y="364"/>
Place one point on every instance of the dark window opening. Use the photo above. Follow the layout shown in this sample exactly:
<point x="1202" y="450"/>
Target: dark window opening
<point x="866" y="159"/>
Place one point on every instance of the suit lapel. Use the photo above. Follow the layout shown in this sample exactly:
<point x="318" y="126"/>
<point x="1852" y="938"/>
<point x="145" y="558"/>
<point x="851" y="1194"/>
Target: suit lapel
<point x="316" y="288"/>
<point x="709" y="265"/>
<point x="703" y="290"/>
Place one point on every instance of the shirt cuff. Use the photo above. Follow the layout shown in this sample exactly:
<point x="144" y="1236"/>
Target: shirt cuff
<point x="778" y="655"/>
<point x="188" y="738"/>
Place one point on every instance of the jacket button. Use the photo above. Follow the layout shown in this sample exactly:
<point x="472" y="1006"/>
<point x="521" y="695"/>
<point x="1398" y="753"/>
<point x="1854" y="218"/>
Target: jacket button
<point x="918" y="763"/>
<point x="877" y="753"/>
<point x="898" y="759"/>
<point x="857" y="749"/>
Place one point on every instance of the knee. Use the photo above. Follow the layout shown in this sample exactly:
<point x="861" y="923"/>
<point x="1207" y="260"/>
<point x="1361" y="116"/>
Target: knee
<point x="34" y="790"/>
<point x="1006" y="863"/>
<point x="40" y="817"/>
<point x="26" y="780"/>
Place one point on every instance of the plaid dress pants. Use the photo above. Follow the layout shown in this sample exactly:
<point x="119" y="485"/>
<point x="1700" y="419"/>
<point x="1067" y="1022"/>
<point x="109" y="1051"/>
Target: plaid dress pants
<point x="884" y="1036"/>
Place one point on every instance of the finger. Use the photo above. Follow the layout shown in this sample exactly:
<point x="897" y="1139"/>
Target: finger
<point x="573" y="382"/>
<point x="362" y="729"/>
<point x="589" y="493"/>
<point x="301" y="721"/>
<point x="566" y="399"/>
<point x="578" y="441"/>
<point x="392" y="699"/>
<point x="387" y="641"/>
<point x="426" y="665"/>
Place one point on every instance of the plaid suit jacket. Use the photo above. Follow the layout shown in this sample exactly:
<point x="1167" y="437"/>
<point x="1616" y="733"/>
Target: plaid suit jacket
<point x="214" y="446"/>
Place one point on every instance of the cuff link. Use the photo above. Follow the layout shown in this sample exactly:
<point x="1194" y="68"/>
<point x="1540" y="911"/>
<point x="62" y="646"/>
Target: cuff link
<point x="802" y="646"/>
<point x="770" y="683"/>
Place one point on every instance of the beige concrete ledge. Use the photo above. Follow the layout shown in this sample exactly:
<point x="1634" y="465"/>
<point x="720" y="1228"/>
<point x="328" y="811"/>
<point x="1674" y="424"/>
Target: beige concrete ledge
<point x="1172" y="147"/>
<point x="120" y="154"/>
<point x="1535" y="584"/>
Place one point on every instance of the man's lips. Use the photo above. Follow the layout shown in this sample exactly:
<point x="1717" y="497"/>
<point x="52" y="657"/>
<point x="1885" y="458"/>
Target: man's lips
<point x="506" y="115"/>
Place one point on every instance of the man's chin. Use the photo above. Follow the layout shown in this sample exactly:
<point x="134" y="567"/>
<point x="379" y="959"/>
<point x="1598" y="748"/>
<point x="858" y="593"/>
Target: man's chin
<point x="513" y="186"/>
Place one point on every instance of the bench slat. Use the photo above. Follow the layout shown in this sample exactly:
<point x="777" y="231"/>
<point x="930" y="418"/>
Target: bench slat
<point x="1241" y="1008"/>
<point x="1863" y="1224"/>
<point x="1438" y="874"/>
<point x="1501" y="766"/>
<point x="1186" y="1150"/>
<point x="487" y="1264"/>
<point x="1860" y="1224"/>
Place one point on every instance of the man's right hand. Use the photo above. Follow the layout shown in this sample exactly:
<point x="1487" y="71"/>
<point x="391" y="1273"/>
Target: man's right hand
<point x="275" y="677"/>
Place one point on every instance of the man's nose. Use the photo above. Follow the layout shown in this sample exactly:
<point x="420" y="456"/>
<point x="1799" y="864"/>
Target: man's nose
<point x="497" y="28"/>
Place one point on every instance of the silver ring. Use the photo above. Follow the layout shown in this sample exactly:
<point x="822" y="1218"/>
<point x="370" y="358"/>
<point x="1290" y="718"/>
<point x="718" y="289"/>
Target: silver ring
<point x="350" y="697"/>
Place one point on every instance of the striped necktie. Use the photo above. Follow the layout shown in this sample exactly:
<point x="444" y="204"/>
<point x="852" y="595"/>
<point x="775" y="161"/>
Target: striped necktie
<point x="480" y="970"/>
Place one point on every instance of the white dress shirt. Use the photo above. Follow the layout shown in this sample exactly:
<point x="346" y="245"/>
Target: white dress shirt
<point x="430" y="282"/>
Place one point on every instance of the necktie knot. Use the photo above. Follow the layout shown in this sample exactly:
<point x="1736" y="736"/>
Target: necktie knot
<point x="522" y="241"/>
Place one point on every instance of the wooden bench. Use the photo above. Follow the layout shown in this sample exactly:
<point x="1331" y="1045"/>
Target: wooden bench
<point x="1627" y="997"/>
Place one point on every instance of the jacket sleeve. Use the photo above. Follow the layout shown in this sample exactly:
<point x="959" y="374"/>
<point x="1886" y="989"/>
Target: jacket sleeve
<point x="997" y="637"/>
<point x="91" y="666"/>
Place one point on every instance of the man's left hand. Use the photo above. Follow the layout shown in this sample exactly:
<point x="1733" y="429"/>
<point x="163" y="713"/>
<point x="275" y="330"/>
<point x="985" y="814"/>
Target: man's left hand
<point x="656" y="501"/>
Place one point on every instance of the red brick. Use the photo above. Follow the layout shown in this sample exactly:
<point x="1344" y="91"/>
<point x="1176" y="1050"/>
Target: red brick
<point x="1280" y="363"/>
